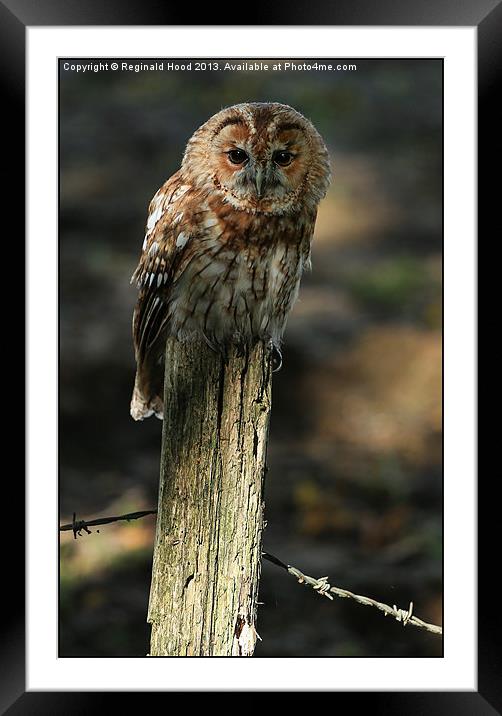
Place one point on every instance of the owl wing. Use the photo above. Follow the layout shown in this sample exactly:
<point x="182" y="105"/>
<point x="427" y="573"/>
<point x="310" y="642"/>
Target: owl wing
<point x="166" y="235"/>
<point x="171" y="222"/>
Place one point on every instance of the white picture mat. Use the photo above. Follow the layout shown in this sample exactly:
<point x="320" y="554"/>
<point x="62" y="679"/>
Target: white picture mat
<point x="457" y="670"/>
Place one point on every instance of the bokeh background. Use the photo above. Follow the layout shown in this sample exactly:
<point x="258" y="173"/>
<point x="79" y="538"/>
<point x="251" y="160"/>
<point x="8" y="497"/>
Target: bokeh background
<point x="354" y="488"/>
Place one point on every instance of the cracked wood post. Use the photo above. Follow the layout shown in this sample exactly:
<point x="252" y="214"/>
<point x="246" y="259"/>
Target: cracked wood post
<point x="207" y="556"/>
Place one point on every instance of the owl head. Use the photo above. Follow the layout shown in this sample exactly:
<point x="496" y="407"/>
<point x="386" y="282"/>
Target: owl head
<point x="259" y="157"/>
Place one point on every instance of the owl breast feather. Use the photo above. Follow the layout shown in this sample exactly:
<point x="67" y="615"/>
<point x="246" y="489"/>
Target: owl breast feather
<point x="239" y="288"/>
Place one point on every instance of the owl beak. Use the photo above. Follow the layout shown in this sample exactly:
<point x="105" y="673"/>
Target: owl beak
<point x="258" y="180"/>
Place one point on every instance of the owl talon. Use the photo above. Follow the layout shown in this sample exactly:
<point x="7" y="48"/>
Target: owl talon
<point x="276" y="359"/>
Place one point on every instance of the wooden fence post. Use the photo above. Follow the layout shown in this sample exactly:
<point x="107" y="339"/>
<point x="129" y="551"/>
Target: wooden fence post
<point x="206" y="566"/>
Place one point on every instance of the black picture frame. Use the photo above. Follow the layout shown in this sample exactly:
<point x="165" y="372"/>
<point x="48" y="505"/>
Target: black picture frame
<point x="15" y="17"/>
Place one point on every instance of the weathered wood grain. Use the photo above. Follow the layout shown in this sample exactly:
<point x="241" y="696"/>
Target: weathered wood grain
<point x="206" y="565"/>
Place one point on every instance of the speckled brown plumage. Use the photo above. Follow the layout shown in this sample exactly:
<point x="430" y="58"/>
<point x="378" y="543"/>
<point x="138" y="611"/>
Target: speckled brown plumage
<point x="227" y="238"/>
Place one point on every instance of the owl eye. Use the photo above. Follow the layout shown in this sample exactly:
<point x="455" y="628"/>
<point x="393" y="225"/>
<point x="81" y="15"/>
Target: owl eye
<point x="237" y="156"/>
<point x="282" y="158"/>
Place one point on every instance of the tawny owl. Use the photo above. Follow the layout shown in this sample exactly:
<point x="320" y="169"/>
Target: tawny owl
<point x="227" y="239"/>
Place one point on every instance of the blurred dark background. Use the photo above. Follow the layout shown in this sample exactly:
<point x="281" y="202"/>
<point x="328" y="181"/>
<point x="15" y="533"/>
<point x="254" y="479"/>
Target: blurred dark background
<point x="354" y="489"/>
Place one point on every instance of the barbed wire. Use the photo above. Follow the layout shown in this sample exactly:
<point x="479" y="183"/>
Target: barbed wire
<point x="78" y="525"/>
<point x="323" y="587"/>
<point x="320" y="585"/>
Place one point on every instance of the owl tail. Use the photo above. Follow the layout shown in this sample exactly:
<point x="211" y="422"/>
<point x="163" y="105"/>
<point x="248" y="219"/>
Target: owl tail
<point x="144" y="401"/>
